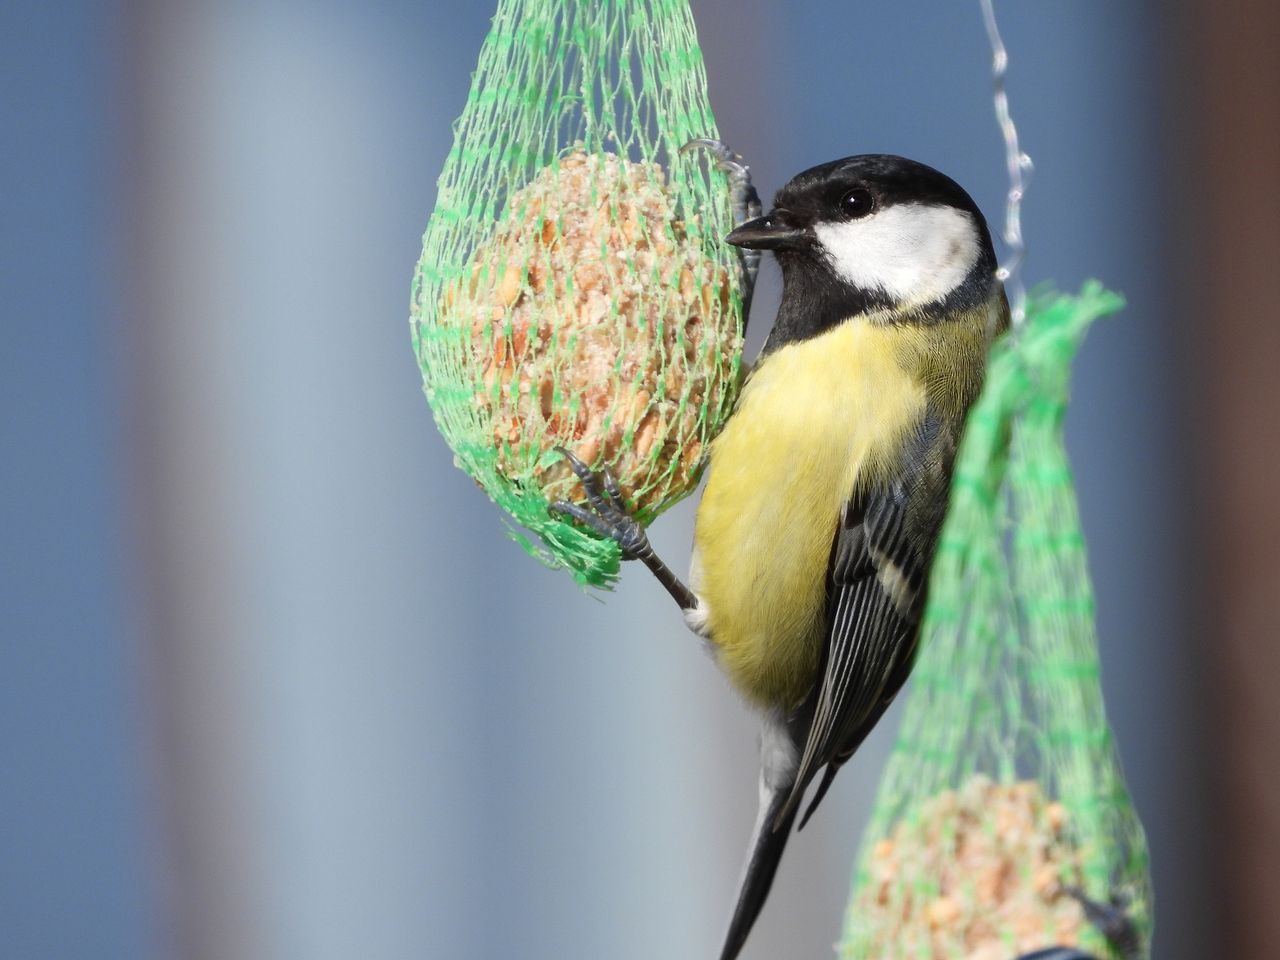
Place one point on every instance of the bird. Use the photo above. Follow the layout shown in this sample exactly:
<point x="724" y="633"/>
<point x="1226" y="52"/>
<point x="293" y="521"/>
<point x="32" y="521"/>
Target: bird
<point x="827" y="487"/>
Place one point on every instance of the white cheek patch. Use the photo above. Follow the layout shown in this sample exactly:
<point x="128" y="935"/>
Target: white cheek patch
<point x="913" y="252"/>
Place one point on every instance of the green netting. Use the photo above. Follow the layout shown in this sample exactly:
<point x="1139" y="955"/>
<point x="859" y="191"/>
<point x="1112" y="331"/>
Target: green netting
<point x="573" y="288"/>
<point x="1003" y="790"/>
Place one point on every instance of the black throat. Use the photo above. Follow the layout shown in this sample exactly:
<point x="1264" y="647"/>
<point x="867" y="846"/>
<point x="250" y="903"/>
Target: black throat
<point x="815" y="300"/>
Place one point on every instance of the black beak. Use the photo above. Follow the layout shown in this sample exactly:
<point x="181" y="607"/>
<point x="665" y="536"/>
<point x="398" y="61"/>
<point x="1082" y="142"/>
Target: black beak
<point x="766" y="233"/>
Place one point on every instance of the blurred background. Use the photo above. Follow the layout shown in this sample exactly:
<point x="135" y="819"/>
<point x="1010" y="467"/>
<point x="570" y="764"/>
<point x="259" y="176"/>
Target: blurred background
<point x="275" y="685"/>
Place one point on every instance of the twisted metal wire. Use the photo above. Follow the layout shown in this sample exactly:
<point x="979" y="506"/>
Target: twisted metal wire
<point x="1019" y="168"/>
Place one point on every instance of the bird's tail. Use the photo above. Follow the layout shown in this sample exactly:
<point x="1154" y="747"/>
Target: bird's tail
<point x="768" y="841"/>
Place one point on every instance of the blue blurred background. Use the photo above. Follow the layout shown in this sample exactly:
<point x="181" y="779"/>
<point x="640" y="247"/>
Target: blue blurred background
<point x="273" y="682"/>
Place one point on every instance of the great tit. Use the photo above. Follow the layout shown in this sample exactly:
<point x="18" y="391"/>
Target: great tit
<point x="826" y="489"/>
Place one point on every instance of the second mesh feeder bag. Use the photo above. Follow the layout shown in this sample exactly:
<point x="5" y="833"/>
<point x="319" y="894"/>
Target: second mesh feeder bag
<point x="1003" y="825"/>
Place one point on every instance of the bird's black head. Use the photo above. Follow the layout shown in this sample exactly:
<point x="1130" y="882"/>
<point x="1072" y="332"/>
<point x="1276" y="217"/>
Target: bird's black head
<point x="873" y="232"/>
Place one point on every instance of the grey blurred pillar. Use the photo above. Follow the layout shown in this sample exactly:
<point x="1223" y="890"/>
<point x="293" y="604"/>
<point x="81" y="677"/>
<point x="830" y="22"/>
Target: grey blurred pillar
<point x="1233" y="200"/>
<point x="299" y="588"/>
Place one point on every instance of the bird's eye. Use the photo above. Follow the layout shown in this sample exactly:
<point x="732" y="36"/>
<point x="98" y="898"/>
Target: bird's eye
<point x="857" y="203"/>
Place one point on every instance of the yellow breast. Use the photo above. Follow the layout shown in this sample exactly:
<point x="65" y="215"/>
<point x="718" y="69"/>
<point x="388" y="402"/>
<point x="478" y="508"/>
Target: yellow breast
<point x="817" y="420"/>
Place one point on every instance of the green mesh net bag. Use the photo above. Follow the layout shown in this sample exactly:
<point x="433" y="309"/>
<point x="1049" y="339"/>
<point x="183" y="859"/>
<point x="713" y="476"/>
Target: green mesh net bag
<point x="574" y="289"/>
<point x="1002" y="819"/>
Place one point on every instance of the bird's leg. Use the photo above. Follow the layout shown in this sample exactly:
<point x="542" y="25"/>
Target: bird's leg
<point x="746" y="206"/>
<point x="1112" y="922"/>
<point x="608" y="516"/>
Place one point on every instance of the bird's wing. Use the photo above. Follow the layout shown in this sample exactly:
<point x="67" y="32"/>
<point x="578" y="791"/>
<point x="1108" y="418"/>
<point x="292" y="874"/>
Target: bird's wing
<point x="876" y="578"/>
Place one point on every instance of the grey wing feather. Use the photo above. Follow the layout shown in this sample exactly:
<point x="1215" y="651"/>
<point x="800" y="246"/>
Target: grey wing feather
<point x="879" y="563"/>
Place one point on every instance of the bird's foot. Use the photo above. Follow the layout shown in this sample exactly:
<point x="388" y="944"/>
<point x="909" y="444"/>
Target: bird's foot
<point x="745" y="199"/>
<point x="608" y="516"/>
<point x="1112" y="921"/>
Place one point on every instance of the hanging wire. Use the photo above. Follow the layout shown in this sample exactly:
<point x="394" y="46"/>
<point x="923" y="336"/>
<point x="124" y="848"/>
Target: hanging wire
<point x="1020" y="170"/>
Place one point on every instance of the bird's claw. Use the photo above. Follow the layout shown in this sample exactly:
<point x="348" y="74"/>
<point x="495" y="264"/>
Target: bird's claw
<point x="1111" y="920"/>
<point x="728" y="160"/>
<point x="608" y="514"/>
<point x="745" y="200"/>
